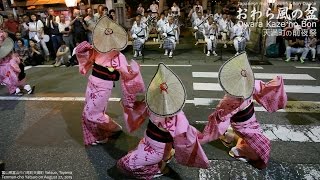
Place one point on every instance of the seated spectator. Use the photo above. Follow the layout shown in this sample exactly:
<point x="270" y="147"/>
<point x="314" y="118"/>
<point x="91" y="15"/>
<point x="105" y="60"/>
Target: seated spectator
<point x="35" y="54"/>
<point x="296" y="45"/>
<point x="154" y="8"/>
<point x="140" y="9"/>
<point x="311" y="45"/>
<point x="63" y="55"/>
<point x="23" y="52"/>
<point x="19" y="37"/>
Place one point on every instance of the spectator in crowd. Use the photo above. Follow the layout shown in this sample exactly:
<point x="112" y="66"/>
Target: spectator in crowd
<point x="154" y="8"/>
<point x="210" y="31"/>
<point x="311" y="45"/>
<point x="91" y="21"/>
<point x="11" y="26"/>
<point x="52" y="23"/>
<point x="66" y="30"/>
<point x="100" y="12"/>
<point x="36" y="31"/>
<point x="22" y="51"/>
<point x="140" y="9"/>
<point x="198" y="5"/>
<point x="217" y="16"/>
<point x="296" y="45"/>
<point x="35" y="54"/>
<point x="25" y="41"/>
<point x="112" y="15"/>
<point x="63" y="55"/>
<point x="23" y="30"/>
<point x="25" y="25"/>
<point x="175" y="9"/>
<point x="199" y="25"/>
<point x="79" y="27"/>
<point x="139" y="35"/>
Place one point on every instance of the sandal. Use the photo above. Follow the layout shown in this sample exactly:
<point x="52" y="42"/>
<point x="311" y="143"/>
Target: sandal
<point x="172" y="152"/>
<point x="225" y="143"/>
<point x="31" y="91"/>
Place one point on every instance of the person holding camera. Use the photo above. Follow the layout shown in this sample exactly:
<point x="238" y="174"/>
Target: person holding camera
<point x="79" y="27"/>
<point x="65" y="30"/>
<point x="52" y="24"/>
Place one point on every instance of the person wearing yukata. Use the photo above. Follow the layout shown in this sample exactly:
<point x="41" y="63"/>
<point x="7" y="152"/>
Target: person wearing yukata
<point x="160" y="25"/>
<point x="225" y="26"/>
<point x="170" y="34"/>
<point x="237" y="109"/>
<point x="240" y="35"/>
<point x="168" y="127"/>
<point x="139" y="35"/>
<point x="12" y="73"/>
<point x="198" y="28"/>
<point x="210" y="31"/>
<point x="108" y="65"/>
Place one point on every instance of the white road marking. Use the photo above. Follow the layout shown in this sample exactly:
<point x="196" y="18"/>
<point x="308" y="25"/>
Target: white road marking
<point x="288" y="88"/>
<point x="256" y="67"/>
<point x="307" y="67"/>
<point x="169" y="65"/>
<point x="258" y="75"/>
<point x="293" y="106"/>
<point x="27" y="67"/>
<point x="288" y="133"/>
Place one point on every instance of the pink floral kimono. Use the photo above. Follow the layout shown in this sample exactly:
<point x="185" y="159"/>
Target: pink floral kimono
<point x="10" y="72"/>
<point x="254" y="144"/>
<point x="143" y="162"/>
<point x="96" y="124"/>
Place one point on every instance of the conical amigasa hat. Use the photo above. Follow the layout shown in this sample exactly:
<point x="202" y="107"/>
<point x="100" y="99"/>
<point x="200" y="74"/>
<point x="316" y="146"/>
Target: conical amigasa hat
<point x="108" y="36"/>
<point x="236" y="77"/>
<point x="166" y="95"/>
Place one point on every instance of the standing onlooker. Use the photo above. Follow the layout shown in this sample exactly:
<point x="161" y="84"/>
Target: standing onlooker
<point x="101" y="11"/>
<point x="154" y="8"/>
<point x="91" y="21"/>
<point x="79" y="27"/>
<point x="11" y="26"/>
<point x="52" y="23"/>
<point x="36" y="29"/>
<point x="140" y="9"/>
<point x="63" y="55"/>
<point x="112" y="15"/>
<point x="25" y="25"/>
<point x="65" y="29"/>
<point x="22" y="28"/>
<point x="198" y="5"/>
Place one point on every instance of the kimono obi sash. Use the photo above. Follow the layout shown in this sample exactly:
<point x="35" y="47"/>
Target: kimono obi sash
<point x="157" y="134"/>
<point x="104" y="73"/>
<point x="172" y="35"/>
<point x="243" y="115"/>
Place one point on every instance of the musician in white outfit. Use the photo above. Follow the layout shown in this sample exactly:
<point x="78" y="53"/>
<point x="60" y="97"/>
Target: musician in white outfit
<point x="160" y="25"/>
<point x="170" y="35"/>
<point x="198" y="28"/>
<point x="225" y="26"/>
<point x="210" y="32"/>
<point x="240" y="35"/>
<point x="139" y="35"/>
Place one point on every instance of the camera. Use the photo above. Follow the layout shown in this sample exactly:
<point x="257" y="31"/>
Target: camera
<point x="67" y="29"/>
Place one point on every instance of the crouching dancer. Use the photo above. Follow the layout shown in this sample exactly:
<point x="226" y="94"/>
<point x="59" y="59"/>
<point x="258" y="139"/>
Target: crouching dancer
<point x="168" y="127"/>
<point x="236" y="109"/>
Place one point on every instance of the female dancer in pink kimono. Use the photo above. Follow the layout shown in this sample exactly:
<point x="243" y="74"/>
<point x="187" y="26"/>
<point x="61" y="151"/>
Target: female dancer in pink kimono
<point x="12" y="73"/>
<point x="168" y="127"/>
<point x="237" y="109"/>
<point x="106" y="68"/>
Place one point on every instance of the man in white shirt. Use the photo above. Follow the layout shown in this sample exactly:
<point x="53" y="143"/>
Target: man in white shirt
<point x="170" y="34"/>
<point x="194" y="16"/>
<point x="175" y="9"/>
<point x="199" y="25"/>
<point x="91" y="21"/>
<point x="217" y="16"/>
<point x="139" y="35"/>
<point x="65" y="30"/>
<point x="210" y="32"/>
<point x="140" y="9"/>
<point x="225" y="26"/>
<point x="240" y="35"/>
<point x="154" y="7"/>
<point x="198" y="6"/>
<point x="160" y="25"/>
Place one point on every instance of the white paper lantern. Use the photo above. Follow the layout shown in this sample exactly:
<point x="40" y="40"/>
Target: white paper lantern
<point x="71" y="3"/>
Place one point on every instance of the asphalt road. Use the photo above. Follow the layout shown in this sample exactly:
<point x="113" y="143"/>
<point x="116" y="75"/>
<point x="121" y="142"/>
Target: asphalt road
<point x="42" y="132"/>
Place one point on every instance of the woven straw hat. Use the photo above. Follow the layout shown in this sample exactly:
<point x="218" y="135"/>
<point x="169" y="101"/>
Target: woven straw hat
<point x="108" y="36"/>
<point x="236" y="77"/>
<point x="6" y="44"/>
<point x="166" y="94"/>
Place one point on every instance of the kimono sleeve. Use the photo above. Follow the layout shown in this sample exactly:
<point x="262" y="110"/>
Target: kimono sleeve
<point x="83" y="57"/>
<point x="271" y="95"/>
